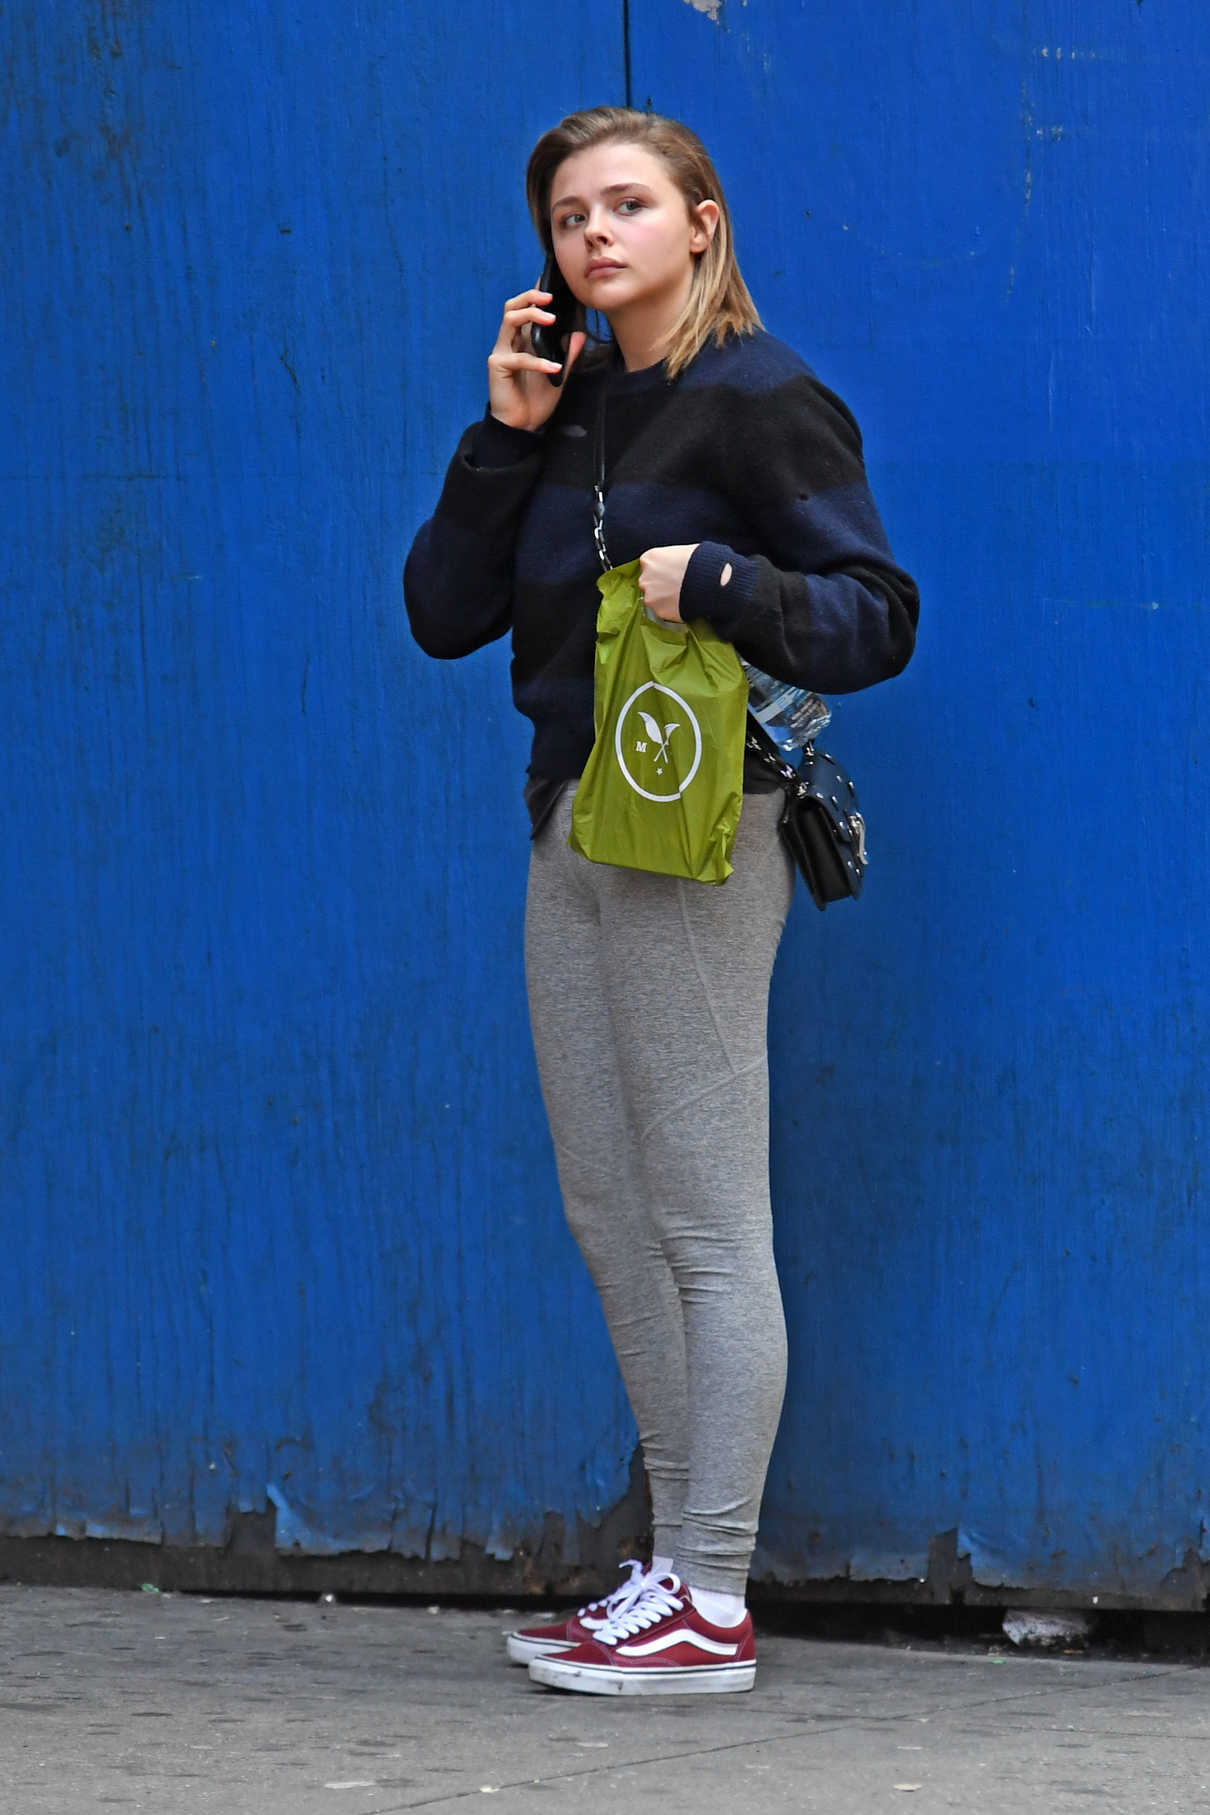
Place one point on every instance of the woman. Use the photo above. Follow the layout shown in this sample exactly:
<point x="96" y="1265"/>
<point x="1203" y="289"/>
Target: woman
<point x="736" y="479"/>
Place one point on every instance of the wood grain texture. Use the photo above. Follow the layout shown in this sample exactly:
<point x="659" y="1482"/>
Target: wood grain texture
<point x="281" y="1217"/>
<point x="983" y="226"/>
<point x="283" y="1223"/>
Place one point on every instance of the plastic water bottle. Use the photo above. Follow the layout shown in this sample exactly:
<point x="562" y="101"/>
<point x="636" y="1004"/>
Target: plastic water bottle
<point x="791" y="716"/>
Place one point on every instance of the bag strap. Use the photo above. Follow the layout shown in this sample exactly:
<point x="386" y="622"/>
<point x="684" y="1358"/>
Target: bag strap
<point x="761" y="745"/>
<point x="598" y="484"/>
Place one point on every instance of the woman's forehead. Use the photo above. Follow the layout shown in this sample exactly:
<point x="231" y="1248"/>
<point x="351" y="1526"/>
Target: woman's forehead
<point x="601" y="167"/>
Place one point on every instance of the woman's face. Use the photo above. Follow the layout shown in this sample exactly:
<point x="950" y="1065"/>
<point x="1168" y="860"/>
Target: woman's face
<point x="622" y="230"/>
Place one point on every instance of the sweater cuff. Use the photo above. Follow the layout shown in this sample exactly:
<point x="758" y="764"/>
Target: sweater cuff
<point x="726" y="606"/>
<point x="498" y="445"/>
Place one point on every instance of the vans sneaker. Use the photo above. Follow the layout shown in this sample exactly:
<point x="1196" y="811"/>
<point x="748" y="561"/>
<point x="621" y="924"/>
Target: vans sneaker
<point x="659" y="1645"/>
<point x="556" y="1636"/>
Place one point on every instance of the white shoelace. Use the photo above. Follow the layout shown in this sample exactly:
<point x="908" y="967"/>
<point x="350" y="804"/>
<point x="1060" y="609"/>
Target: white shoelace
<point x="625" y="1595"/>
<point x="654" y="1602"/>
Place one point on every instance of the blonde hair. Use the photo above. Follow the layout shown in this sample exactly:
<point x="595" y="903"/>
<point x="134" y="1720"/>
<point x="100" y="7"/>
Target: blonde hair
<point x="719" y="303"/>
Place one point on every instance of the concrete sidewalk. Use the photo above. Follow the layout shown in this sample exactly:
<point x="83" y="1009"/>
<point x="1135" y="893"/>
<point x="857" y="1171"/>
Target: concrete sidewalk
<point x="173" y="1703"/>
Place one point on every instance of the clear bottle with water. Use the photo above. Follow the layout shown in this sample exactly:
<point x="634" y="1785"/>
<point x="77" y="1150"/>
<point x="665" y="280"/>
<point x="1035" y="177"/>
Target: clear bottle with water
<point x="790" y="716"/>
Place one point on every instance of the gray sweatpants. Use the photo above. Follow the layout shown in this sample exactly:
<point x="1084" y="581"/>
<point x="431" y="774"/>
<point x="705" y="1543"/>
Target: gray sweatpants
<point x="648" y="998"/>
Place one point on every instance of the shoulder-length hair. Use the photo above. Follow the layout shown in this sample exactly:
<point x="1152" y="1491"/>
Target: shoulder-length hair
<point x="719" y="303"/>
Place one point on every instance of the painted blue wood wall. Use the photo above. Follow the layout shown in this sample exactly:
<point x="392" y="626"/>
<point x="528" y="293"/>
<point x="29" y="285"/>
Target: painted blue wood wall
<point x="279" y="1213"/>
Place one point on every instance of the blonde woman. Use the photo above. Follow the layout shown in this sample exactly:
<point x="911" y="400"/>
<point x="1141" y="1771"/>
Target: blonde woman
<point x="736" y="479"/>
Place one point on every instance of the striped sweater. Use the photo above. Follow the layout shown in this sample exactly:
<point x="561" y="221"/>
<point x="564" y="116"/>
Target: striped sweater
<point x="746" y="453"/>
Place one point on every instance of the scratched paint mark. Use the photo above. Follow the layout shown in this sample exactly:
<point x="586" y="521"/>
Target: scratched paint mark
<point x="711" y="8"/>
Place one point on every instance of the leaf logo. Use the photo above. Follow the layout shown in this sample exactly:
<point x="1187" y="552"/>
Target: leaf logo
<point x="658" y="733"/>
<point x="658" y="738"/>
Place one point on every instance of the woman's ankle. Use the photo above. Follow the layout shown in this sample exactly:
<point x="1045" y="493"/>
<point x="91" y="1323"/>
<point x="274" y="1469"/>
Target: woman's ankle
<point x="720" y="1609"/>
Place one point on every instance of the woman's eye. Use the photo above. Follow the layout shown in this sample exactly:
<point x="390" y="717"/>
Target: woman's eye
<point x="569" y="220"/>
<point x="631" y="203"/>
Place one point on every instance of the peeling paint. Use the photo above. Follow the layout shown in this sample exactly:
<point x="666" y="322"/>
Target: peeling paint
<point x="711" y="8"/>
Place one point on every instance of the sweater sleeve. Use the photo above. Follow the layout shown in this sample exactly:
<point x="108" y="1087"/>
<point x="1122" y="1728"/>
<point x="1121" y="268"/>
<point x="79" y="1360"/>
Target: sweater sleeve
<point x="822" y="604"/>
<point x="458" y="578"/>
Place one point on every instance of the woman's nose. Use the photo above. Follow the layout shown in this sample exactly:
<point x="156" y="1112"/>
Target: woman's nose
<point x="596" y="228"/>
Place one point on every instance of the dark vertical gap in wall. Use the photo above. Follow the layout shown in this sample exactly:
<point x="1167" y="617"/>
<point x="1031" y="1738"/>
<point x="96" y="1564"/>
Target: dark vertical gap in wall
<point x="626" y="49"/>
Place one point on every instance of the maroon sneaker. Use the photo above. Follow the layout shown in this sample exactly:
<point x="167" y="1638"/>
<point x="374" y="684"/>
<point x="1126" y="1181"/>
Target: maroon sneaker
<point x="660" y="1645"/>
<point x="548" y="1640"/>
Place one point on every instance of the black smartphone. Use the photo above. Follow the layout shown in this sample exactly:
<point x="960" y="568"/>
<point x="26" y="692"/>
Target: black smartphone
<point x="547" y="337"/>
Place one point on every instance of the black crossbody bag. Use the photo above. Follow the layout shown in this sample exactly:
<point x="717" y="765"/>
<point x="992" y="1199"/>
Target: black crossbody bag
<point x="821" y="823"/>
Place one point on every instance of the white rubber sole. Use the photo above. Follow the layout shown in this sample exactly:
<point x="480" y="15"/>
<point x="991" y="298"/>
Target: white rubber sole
<point x="678" y="1679"/>
<point x="524" y="1651"/>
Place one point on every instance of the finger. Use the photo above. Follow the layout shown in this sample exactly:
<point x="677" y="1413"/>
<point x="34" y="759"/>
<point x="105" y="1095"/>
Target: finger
<point x="529" y="312"/>
<point x="522" y="362"/>
<point x="527" y="296"/>
<point x="575" y="346"/>
<point x="514" y="329"/>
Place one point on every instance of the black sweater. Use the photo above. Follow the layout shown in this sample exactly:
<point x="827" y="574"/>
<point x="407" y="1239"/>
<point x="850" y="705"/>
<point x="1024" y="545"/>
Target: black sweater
<point x="746" y="453"/>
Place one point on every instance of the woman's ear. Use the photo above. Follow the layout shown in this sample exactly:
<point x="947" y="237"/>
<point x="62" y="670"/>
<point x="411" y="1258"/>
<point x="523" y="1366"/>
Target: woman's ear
<point x="703" y="223"/>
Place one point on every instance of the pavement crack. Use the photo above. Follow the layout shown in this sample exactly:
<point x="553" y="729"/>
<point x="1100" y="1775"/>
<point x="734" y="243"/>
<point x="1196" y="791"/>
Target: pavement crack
<point x="595" y="1767"/>
<point x="827" y="1724"/>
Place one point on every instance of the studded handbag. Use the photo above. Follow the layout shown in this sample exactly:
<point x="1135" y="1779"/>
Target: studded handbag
<point x="821" y="824"/>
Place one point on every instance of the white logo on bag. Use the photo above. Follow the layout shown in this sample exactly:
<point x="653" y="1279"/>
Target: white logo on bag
<point x="659" y="733"/>
<point x="658" y="738"/>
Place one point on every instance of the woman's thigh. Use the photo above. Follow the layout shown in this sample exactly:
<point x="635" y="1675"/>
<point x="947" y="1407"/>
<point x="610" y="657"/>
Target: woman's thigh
<point x="649" y="1002"/>
<point x="569" y="1008"/>
<point x="686" y="970"/>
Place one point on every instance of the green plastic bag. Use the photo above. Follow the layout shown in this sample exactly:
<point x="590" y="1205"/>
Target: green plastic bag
<point x="663" y="787"/>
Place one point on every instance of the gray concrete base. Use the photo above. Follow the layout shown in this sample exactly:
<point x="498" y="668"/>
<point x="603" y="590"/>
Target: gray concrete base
<point x="128" y="1701"/>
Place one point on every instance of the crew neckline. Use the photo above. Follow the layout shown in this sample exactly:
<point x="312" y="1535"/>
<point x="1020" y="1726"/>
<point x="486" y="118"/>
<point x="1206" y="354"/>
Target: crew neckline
<point x="641" y="379"/>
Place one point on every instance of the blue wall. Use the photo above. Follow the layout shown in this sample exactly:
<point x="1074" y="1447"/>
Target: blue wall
<point x="281" y="1218"/>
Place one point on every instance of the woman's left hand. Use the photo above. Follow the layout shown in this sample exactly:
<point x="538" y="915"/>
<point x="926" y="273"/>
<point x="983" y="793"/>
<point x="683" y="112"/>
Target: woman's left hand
<point x="661" y="571"/>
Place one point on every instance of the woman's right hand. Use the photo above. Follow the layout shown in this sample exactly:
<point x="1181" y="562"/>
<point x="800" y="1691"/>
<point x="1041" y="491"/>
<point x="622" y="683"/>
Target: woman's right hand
<point x="519" y="389"/>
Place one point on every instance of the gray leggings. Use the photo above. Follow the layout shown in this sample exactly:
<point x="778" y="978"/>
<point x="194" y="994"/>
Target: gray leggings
<point x="648" y="998"/>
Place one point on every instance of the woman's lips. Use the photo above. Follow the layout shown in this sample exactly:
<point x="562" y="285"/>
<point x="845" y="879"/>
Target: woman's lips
<point x="600" y="266"/>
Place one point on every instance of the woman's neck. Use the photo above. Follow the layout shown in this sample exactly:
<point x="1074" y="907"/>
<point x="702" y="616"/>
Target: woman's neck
<point x="639" y="350"/>
<point x="643" y="332"/>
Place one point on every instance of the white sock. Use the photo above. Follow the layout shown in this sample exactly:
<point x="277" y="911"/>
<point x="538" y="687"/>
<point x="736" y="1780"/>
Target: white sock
<point x="660" y="1566"/>
<point x="719" y="1609"/>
